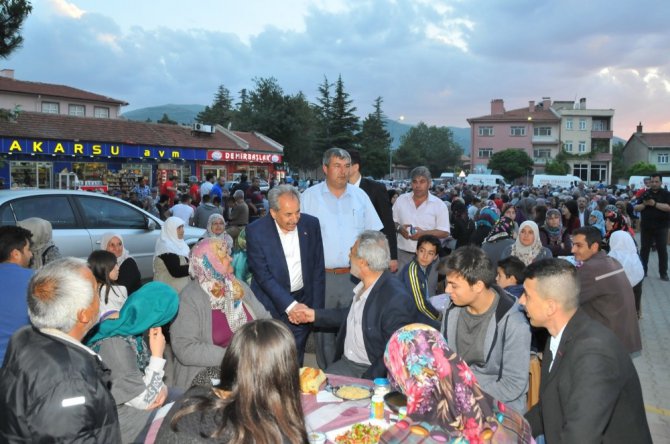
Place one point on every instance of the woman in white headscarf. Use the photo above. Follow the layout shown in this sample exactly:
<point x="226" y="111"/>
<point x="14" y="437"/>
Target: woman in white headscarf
<point x="622" y="248"/>
<point x="216" y="228"/>
<point x="129" y="274"/>
<point x="528" y="246"/>
<point x="171" y="256"/>
<point x="41" y="244"/>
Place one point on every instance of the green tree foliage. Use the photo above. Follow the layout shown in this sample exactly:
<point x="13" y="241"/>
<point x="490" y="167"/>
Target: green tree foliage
<point x="343" y="123"/>
<point x="12" y="15"/>
<point x="166" y="119"/>
<point x="375" y="143"/>
<point x="324" y="115"/>
<point x="511" y="163"/>
<point x="431" y="146"/>
<point x="221" y="112"/>
<point x="557" y="167"/>
<point x="300" y="145"/>
<point x="641" y="169"/>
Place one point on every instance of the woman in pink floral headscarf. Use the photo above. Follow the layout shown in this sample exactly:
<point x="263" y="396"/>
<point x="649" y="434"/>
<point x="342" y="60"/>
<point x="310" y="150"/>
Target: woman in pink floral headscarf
<point x="443" y="396"/>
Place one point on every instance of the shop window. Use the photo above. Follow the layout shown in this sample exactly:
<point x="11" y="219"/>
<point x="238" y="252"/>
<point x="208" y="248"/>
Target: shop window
<point x="106" y="213"/>
<point x="55" y="209"/>
<point x="30" y="174"/>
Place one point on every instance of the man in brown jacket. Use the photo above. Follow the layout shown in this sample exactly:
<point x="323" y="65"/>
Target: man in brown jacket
<point x="606" y="294"/>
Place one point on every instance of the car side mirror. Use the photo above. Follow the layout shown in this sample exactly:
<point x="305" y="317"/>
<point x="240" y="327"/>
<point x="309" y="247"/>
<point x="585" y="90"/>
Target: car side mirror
<point x="151" y="224"/>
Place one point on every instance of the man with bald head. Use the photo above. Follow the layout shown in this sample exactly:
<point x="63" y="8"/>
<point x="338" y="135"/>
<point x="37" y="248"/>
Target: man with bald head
<point x="52" y="387"/>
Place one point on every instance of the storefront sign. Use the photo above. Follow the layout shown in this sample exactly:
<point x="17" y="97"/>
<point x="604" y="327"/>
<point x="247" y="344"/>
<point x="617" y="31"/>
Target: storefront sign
<point x="243" y="156"/>
<point x="109" y="150"/>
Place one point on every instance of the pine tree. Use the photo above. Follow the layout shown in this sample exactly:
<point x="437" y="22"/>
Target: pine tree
<point x="375" y="143"/>
<point x="344" y="123"/>
<point x="12" y="15"/>
<point x="221" y="112"/>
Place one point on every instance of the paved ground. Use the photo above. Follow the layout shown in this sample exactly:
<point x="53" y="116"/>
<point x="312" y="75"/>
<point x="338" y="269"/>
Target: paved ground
<point x="653" y="364"/>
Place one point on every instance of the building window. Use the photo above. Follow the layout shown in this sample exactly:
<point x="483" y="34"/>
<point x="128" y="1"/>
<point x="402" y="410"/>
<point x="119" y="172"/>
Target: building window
<point x="542" y="153"/>
<point x="600" y="125"/>
<point x="517" y="131"/>
<point x="77" y="110"/>
<point x="581" y="170"/>
<point x="582" y="124"/>
<point x="598" y="172"/>
<point x="50" y="107"/>
<point x="542" y="131"/>
<point x="485" y="152"/>
<point x="101" y="112"/>
<point x="486" y="131"/>
<point x="568" y="146"/>
<point x="582" y="146"/>
<point x="568" y="124"/>
<point x="662" y="158"/>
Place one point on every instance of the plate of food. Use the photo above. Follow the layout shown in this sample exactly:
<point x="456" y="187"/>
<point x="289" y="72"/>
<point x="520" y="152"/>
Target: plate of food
<point x="352" y="392"/>
<point x="367" y="432"/>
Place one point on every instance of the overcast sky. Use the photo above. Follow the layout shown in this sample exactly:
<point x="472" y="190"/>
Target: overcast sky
<point x="439" y="62"/>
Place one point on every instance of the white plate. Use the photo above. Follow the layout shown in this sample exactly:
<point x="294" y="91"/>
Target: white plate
<point x="384" y="424"/>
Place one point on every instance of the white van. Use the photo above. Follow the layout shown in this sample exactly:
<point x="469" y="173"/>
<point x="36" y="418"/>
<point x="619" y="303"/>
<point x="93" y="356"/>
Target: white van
<point x="489" y="180"/>
<point x="637" y="182"/>
<point x="566" y="181"/>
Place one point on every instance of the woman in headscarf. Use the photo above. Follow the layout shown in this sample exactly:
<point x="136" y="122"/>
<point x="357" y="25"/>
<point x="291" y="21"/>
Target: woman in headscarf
<point x="484" y="223"/>
<point x="41" y="244"/>
<point x="500" y="237"/>
<point x="171" y="256"/>
<point x="528" y="246"/>
<point x="137" y="369"/>
<point x="212" y="307"/>
<point x="622" y="248"/>
<point x="615" y="221"/>
<point x="216" y="227"/>
<point x="596" y="219"/>
<point x="554" y="236"/>
<point x="129" y="273"/>
<point x="443" y="396"/>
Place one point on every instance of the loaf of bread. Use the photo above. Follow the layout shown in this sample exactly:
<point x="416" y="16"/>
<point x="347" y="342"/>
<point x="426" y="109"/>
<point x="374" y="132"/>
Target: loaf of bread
<point x="311" y="379"/>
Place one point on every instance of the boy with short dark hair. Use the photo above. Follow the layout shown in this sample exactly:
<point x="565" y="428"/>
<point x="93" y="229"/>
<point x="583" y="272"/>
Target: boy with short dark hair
<point x="415" y="277"/>
<point x="511" y="275"/>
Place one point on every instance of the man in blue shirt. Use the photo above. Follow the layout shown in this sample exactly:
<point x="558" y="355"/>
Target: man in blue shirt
<point x="15" y="272"/>
<point x="344" y="211"/>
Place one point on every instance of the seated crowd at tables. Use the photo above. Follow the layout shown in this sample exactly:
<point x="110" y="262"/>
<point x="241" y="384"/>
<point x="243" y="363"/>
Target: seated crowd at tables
<point x="93" y="354"/>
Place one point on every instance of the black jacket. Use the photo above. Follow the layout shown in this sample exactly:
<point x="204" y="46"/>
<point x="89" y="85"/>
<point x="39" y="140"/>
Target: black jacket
<point x="54" y="391"/>
<point x="380" y="200"/>
<point x="387" y="308"/>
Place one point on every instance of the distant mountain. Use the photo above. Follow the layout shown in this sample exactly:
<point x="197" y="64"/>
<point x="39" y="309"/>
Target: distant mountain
<point x="184" y="114"/>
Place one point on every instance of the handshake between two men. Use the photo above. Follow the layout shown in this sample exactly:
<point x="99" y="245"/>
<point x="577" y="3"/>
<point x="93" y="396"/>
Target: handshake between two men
<point x="301" y="314"/>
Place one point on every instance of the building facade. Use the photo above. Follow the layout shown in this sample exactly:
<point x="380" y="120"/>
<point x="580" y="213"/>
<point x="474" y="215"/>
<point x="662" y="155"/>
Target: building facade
<point x="653" y="148"/>
<point x="543" y="130"/>
<point x="40" y="148"/>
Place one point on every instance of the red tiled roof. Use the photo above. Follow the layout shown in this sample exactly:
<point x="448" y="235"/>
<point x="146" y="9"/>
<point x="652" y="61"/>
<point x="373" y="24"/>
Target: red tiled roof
<point x="49" y="89"/>
<point x="655" y="140"/>
<point x="62" y="127"/>
<point x="518" y="115"/>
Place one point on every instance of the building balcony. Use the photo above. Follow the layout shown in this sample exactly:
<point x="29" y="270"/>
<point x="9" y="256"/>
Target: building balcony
<point x="602" y="157"/>
<point x="545" y="140"/>
<point x="541" y="160"/>
<point x="601" y="134"/>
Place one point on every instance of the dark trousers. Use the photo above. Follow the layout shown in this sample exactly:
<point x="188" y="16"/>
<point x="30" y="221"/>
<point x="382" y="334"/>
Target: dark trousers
<point x="659" y="237"/>
<point x="300" y="332"/>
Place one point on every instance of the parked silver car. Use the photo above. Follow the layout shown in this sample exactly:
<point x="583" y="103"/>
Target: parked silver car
<point x="80" y="218"/>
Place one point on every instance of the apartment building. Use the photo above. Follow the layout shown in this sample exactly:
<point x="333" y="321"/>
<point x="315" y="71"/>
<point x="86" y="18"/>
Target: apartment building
<point x="653" y="148"/>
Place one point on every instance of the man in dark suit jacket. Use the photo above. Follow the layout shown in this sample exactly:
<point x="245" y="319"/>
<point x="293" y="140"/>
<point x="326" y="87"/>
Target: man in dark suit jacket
<point x="285" y="255"/>
<point x="381" y="304"/>
<point x="589" y="391"/>
<point x="380" y="200"/>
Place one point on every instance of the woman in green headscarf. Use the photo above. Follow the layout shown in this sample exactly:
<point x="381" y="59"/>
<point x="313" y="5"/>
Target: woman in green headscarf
<point x="137" y="368"/>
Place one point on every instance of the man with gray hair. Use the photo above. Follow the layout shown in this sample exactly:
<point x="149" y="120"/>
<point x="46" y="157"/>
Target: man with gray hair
<point x="52" y="387"/>
<point x="418" y="213"/>
<point x="380" y="306"/>
<point x="344" y="211"/>
<point x="285" y="254"/>
<point x="589" y="390"/>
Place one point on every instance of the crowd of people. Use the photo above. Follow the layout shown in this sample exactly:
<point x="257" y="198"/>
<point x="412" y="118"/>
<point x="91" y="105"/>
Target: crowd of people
<point x="528" y="272"/>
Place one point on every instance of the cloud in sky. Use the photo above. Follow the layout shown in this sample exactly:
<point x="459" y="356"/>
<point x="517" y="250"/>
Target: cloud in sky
<point x="434" y="61"/>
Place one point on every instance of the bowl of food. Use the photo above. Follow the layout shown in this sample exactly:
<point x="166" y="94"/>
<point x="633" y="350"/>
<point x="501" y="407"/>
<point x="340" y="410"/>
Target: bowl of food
<point x="352" y="392"/>
<point x="395" y="400"/>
